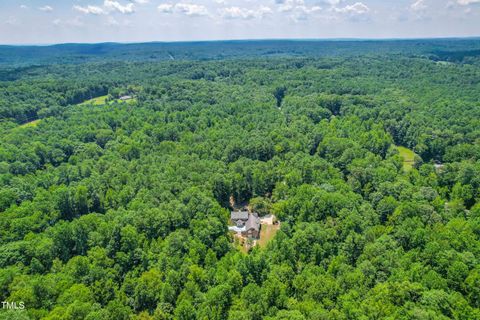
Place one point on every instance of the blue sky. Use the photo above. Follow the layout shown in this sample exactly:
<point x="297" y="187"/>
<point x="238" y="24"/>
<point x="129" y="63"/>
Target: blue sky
<point x="58" y="21"/>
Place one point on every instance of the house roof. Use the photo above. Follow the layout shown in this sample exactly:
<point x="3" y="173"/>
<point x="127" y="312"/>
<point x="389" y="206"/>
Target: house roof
<point x="253" y="222"/>
<point x="239" y="215"/>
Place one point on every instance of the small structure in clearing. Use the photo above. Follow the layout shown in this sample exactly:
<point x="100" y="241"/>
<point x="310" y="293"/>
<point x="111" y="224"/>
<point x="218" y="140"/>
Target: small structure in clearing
<point x="249" y="228"/>
<point x="125" y="98"/>
<point x="438" y="166"/>
<point x="245" y="223"/>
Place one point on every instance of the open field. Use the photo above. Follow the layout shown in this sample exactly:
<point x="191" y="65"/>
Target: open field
<point x="98" y="101"/>
<point x="30" y="124"/>
<point x="408" y="157"/>
<point x="129" y="101"/>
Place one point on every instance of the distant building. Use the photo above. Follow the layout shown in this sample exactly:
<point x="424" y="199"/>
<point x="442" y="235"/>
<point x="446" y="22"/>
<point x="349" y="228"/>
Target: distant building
<point x="125" y="98"/>
<point x="438" y="166"/>
<point x="248" y="224"/>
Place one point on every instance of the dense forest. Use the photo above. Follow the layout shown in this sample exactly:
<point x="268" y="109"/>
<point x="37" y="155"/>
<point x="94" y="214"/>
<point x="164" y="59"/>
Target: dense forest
<point x="113" y="209"/>
<point x="449" y="49"/>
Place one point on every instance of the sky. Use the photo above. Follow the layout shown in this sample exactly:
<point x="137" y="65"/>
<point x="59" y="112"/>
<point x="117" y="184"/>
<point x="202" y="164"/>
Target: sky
<point x="60" y="21"/>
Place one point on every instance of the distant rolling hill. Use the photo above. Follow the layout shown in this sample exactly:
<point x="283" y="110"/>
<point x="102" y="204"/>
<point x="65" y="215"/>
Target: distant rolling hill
<point x="17" y="56"/>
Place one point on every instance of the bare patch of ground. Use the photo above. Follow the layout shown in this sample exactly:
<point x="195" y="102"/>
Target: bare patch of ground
<point x="267" y="232"/>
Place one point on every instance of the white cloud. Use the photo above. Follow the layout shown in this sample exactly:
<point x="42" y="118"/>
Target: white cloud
<point x="108" y="6"/>
<point x="184" y="8"/>
<point x="89" y="9"/>
<point x="141" y="1"/>
<point x="191" y="9"/>
<point x="165" y="8"/>
<point x="289" y="5"/>
<point x="46" y="9"/>
<point x="116" y="6"/>
<point x="23" y="6"/>
<point x="357" y="8"/>
<point x="244" y="13"/>
<point x="418" y="5"/>
<point x="305" y="9"/>
<point x="298" y="10"/>
<point x="302" y="13"/>
<point x="332" y="2"/>
<point x="467" y="2"/>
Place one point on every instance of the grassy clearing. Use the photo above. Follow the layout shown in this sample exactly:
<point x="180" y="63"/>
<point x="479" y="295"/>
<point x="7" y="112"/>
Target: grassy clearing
<point x="129" y="101"/>
<point x="101" y="101"/>
<point x="98" y="101"/>
<point x="408" y="158"/>
<point x="31" y="124"/>
<point x="267" y="232"/>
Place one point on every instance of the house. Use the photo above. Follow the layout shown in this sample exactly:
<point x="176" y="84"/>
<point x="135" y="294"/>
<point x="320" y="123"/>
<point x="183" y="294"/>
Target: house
<point x="239" y="218"/>
<point x="125" y="98"/>
<point x="248" y="224"/>
<point x="252" y="226"/>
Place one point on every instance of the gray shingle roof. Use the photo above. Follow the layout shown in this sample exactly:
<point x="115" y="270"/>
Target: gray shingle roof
<point x="252" y="223"/>
<point x="239" y="215"/>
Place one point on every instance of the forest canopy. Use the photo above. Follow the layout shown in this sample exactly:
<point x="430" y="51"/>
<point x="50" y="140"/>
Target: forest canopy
<point x="117" y="177"/>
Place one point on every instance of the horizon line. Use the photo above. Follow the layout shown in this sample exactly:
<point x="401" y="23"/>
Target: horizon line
<point x="339" y="39"/>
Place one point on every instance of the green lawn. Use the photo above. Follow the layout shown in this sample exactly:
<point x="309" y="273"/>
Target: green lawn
<point x="408" y="157"/>
<point x="31" y="124"/>
<point x="130" y="101"/>
<point x="98" y="101"/>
